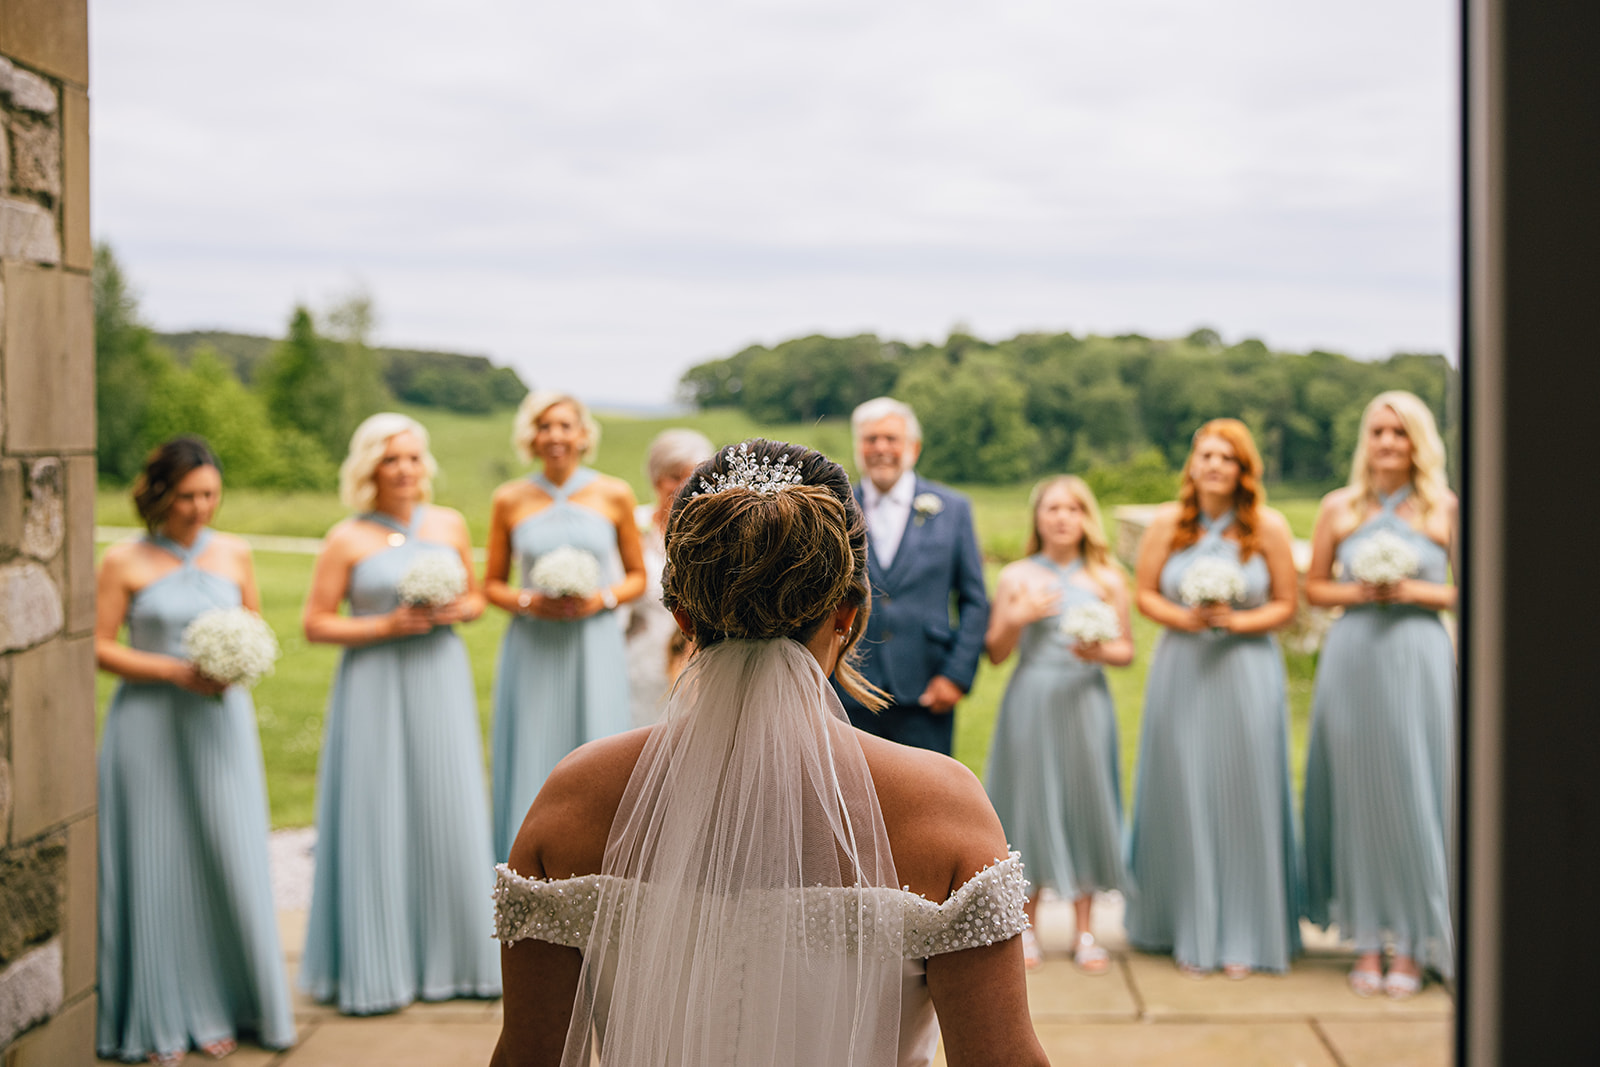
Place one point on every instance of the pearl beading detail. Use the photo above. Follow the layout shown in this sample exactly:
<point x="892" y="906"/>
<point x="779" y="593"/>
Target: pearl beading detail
<point x="985" y="910"/>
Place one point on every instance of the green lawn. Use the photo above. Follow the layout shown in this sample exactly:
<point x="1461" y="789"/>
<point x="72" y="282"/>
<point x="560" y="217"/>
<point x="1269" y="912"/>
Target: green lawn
<point x="475" y="455"/>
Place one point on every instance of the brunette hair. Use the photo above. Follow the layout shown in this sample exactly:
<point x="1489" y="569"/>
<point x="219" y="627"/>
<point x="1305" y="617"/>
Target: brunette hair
<point x="1092" y="546"/>
<point x="168" y="464"/>
<point x="756" y="565"/>
<point x="1249" y="496"/>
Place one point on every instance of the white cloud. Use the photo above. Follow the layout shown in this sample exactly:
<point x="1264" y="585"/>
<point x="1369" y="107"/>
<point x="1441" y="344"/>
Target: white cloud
<point x="603" y="193"/>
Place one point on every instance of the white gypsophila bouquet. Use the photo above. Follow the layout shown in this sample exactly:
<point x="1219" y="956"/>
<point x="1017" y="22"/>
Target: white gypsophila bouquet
<point x="1091" y="622"/>
<point x="1211" y="580"/>
<point x="565" y="571"/>
<point x="1383" y="559"/>
<point x="432" y="580"/>
<point x="231" y="645"/>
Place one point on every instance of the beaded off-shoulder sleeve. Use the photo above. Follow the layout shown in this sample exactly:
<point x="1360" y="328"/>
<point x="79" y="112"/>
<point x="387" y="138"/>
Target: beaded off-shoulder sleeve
<point x="986" y="909"/>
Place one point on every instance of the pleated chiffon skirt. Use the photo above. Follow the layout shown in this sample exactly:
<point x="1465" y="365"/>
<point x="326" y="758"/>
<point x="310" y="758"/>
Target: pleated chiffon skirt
<point x="401" y="907"/>
<point x="1380" y="783"/>
<point x="1212" y="850"/>
<point x="189" y="950"/>
<point x="1054" y="781"/>
<point x="560" y="684"/>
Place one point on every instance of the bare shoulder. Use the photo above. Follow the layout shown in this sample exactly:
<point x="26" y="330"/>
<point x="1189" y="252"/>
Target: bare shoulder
<point x="1275" y="525"/>
<point x="117" y="557"/>
<point x="565" y="831"/>
<point x="444" y="518"/>
<point x="942" y="828"/>
<point x="615" y="489"/>
<point x="1019" y="573"/>
<point x="1166" y="516"/>
<point x="1339" y="498"/>
<point x="235" y="546"/>
<point x="1451" y="504"/>
<point x="508" y="494"/>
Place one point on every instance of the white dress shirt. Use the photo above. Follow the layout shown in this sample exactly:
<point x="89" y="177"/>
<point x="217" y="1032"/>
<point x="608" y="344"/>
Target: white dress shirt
<point x="887" y="515"/>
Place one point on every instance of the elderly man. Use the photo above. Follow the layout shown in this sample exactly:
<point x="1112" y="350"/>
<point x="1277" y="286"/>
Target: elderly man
<point x="929" y="609"/>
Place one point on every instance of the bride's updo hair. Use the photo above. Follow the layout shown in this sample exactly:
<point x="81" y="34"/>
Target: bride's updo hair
<point x="757" y="565"/>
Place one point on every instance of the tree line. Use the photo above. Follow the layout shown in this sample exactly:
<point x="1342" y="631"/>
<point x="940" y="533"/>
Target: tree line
<point x="1121" y="409"/>
<point x="279" y="413"/>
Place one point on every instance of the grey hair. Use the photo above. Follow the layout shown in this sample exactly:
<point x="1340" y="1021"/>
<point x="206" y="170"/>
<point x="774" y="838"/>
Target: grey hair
<point x="881" y="408"/>
<point x="673" y="450"/>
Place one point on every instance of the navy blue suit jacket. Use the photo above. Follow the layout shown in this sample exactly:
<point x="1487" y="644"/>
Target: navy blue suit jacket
<point x="937" y="572"/>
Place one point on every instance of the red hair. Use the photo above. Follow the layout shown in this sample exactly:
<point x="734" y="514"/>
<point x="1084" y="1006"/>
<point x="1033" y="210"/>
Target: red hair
<point x="1249" y="496"/>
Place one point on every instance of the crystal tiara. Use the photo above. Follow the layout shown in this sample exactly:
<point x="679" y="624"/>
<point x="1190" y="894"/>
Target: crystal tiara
<point x="745" y="472"/>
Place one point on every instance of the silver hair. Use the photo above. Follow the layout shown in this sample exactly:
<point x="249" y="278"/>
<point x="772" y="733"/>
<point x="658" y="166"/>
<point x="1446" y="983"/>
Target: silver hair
<point x="673" y="450"/>
<point x="357" y="488"/>
<point x="881" y="408"/>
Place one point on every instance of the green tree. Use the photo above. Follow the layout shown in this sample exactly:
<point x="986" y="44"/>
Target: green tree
<point x="128" y="365"/>
<point x="361" y="388"/>
<point x="300" y="386"/>
<point x="973" y="424"/>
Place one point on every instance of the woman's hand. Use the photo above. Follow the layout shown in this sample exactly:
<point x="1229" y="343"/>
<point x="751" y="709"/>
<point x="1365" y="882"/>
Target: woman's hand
<point x="1034" y="602"/>
<point x="463" y="608"/>
<point x="1217" y="616"/>
<point x="1090" y="651"/>
<point x="186" y="675"/>
<point x="408" y="620"/>
<point x="1380" y="594"/>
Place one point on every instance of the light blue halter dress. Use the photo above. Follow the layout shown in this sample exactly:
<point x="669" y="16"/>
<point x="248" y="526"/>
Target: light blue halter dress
<point x="1053" y="770"/>
<point x="561" y="682"/>
<point x="1380" y="771"/>
<point x="189" y="950"/>
<point x="1212" y="848"/>
<point x="400" y="907"/>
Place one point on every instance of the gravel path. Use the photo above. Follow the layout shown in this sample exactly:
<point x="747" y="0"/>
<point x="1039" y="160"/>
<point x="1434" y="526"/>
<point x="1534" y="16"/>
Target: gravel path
<point x="290" y="854"/>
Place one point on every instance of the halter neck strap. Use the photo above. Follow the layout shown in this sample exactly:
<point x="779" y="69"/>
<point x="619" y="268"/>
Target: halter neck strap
<point x="1393" y="500"/>
<point x="1065" y="570"/>
<point x="559" y="493"/>
<point x="1214" y="527"/>
<point x="186" y="556"/>
<point x="383" y="518"/>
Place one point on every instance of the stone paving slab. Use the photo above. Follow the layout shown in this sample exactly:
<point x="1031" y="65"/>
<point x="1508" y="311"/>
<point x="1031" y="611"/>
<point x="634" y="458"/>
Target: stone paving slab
<point x="388" y="1041"/>
<point x="1315" y="987"/>
<point x="1142" y="1012"/>
<point x="1390" y="1042"/>
<point x="1060" y="992"/>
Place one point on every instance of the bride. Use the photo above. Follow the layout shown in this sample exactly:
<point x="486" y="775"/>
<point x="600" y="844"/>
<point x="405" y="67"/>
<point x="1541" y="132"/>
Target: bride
<point x="752" y="880"/>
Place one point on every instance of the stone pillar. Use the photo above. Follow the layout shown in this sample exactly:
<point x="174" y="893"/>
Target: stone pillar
<point x="47" y="483"/>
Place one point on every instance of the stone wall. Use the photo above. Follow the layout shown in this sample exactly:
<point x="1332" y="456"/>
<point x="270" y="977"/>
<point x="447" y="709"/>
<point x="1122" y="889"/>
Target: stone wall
<point x="47" y="482"/>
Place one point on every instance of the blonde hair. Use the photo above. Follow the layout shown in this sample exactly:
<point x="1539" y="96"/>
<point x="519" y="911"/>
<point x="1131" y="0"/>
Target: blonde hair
<point x="526" y="421"/>
<point x="1093" y="547"/>
<point x="1428" y="483"/>
<point x="358" y="489"/>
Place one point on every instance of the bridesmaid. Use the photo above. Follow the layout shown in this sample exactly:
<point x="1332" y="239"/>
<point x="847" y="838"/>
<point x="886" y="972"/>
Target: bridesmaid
<point x="401" y="773"/>
<point x="563" y="678"/>
<point x="1380" y="767"/>
<point x="1053" y="769"/>
<point x="1212" y="849"/>
<point x="189" y="954"/>
<point x="651" y="629"/>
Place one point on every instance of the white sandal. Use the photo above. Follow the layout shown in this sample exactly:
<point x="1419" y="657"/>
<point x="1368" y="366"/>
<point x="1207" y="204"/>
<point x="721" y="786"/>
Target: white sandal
<point x="1089" y="956"/>
<point x="1365" y="981"/>
<point x="1398" y="986"/>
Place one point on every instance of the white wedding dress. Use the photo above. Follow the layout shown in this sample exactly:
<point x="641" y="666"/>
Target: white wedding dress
<point x="747" y="910"/>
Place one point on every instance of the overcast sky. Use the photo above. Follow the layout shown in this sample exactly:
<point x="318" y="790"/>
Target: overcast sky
<point x="603" y="193"/>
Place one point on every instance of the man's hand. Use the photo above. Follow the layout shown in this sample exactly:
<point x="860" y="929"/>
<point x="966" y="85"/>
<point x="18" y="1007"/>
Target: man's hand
<point x="941" y="695"/>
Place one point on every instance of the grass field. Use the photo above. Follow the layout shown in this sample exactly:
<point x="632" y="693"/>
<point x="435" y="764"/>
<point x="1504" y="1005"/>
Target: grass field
<point x="475" y="455"/>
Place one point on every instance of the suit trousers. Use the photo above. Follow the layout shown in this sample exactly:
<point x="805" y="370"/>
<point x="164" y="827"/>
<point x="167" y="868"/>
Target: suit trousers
<point x="908" y="724"/>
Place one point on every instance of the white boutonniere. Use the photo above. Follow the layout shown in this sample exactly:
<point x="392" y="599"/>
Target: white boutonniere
<point x="926" y="505"/>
